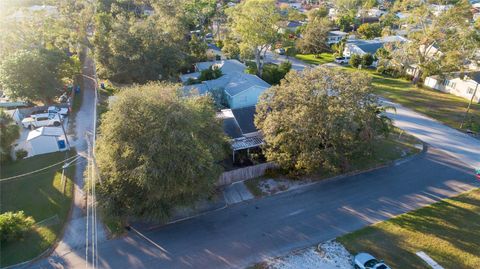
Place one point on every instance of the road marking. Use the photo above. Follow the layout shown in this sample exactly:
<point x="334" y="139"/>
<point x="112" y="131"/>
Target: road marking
<point x="429" y="260"/>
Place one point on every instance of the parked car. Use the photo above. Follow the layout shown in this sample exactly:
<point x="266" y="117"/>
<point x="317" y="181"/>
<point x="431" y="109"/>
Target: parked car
<point x="280" y="51"/>
<point x="367" y="261"/>
<point x="60" y="110"/>
<point x="52" y="109"/>
<point x="342" y="60"/>
<point x="40" y="120"/>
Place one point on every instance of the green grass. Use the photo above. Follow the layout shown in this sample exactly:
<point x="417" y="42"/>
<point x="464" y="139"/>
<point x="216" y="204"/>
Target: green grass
<point x="398" y="145"/>
<point x="444" y="107"/>
<point x="313" y="59"/>
<point x="39" y="195"/>
<point x="448" y="231"/>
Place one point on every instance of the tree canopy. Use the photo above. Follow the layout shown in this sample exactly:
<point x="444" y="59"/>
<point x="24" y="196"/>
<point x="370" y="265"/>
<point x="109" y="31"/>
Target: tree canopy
<point x="444" y="43"/>
<point x="370" y="30"/>
<point x="156" y="150"/>
<point x="9" y="132"/>
<point x="314" y="38"/>
<point x="319" y="119"/>
<point x="37" y="75"/>
<point x="256" y="24"/>
<point x="134" y="48"/>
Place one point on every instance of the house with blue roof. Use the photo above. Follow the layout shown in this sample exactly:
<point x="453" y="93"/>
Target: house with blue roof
<point x="361" y="46"/>
<point x="241" y="89"/>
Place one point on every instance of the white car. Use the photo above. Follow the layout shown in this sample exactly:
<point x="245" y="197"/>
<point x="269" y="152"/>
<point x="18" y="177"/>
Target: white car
<point x="40" y="120"/>
<point x="60" y="110"/>
<point x="342" y="60"/>
<point x="367" y="261"/>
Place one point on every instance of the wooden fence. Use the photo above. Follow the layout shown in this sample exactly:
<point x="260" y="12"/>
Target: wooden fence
<point x="244" y="173"/>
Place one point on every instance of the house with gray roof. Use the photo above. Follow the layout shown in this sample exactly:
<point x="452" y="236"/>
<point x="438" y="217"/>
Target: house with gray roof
<point x="241" y="89"/>
<point x="361" y="46"/>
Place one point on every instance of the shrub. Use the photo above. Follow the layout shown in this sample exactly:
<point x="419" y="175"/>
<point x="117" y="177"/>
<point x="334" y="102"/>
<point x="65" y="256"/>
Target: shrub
<point x="13" y="226"/>
<point x="367" y="59"/>
<point x="273" y="73"/>
<point x="211" y="73"/>
<point x="355" y="60"/>
<point x="21" y="154"/>
<point x="291" y="51"/>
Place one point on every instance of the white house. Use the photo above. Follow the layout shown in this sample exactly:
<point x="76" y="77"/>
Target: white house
<point x="335" y="36"/>
<point x="46" y="140"/>
<point x="460" y="84"/>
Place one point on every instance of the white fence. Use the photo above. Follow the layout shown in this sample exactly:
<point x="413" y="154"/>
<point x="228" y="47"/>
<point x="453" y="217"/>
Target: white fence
<point x="244" y="173"/>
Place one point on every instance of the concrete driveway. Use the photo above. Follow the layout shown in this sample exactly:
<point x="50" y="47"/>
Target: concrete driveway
<point x="455" y="143"/>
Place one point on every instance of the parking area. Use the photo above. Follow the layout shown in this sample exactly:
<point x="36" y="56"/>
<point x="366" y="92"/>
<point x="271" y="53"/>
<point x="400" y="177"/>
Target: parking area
<point x="44" y="137"/>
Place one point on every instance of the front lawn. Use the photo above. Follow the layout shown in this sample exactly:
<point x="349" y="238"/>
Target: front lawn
<point x="448" y="231"/>
<point x="447" y="108"/>
<point x="444" y="107"/>
<point x="40" y="195"/>
<point x="323" y="58"/>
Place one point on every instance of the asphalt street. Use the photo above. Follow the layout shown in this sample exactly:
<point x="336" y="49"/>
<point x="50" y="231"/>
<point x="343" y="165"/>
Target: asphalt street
<point x="251" y="231"/>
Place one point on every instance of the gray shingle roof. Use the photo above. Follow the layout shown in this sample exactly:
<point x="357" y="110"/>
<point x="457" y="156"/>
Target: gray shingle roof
<point x="242" y="82"/>
<point x="245" y="119"/>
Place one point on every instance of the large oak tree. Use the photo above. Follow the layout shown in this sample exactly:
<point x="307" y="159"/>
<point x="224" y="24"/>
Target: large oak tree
<point x="157" y="150"/>
<point x="320" y="119"/>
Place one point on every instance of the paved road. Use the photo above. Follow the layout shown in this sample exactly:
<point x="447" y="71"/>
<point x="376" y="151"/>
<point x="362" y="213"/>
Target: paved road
<point x="298" y="65"/>
<point x="453" y="142"/>
<point x="75" y="229"/>
<point x="247" y="232"/>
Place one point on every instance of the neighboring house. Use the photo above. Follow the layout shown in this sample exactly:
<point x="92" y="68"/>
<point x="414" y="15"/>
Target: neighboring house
<point x="335" y="36"/>
<point x="437" y="10"/>
<point x="227" y="67"/>
<point x="430" y="51"/>
<point x="35" y="10"/>
<point x="289" y="26"/>
<point x="361" y="47"/>
<point x="460" y="84"/>
<point x="241" y="89"/>
<point x="46" y="140"/>
<point x="413" y="70"/>
<point x="239" y="125"/>
<point x="371" y="13"/>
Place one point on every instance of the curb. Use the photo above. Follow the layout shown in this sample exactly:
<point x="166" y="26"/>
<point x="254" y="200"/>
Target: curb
<point x="352" y="173"/>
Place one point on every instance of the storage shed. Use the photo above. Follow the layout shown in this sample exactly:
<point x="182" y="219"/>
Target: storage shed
<point x="46" y="140"/>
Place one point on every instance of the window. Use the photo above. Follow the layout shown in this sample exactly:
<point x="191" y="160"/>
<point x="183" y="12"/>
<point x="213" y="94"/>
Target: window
<point x="448" y="83"/>
<point x="470" y="90"/>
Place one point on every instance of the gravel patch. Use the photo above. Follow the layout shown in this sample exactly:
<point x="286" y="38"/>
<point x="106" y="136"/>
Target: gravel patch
<point x="328" y="255"/>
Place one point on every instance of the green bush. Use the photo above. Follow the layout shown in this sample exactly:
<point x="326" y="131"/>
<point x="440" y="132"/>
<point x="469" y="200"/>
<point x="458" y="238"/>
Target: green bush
<point x="367" y="60"/>
<point x="291" y="51"/>
<point x="355" y="60"/>
<point x="21" y="154"/>
<point x="273" y="73"/>
<point x="211" y="73"/>
<point x="13" y="226"/>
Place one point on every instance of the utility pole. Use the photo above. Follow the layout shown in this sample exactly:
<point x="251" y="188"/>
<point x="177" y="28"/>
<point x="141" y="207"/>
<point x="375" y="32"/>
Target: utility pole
<point x="469" y="105"/>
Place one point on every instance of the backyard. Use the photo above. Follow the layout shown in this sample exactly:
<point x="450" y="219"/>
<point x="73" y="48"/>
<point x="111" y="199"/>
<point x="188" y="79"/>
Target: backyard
<point x="41" y="195"/>
<point x="447" y="231"/>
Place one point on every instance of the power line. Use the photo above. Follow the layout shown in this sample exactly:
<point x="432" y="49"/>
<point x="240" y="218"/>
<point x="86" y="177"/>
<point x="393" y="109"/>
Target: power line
<point x="38" y="170"/>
